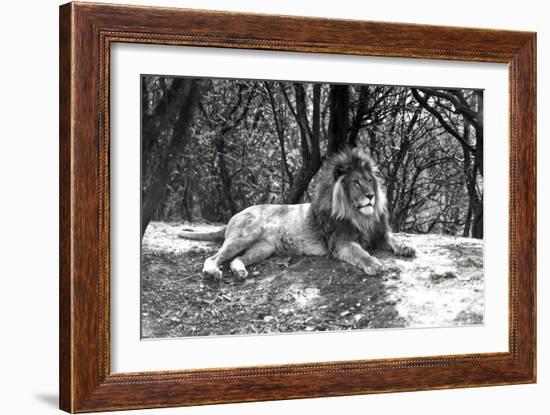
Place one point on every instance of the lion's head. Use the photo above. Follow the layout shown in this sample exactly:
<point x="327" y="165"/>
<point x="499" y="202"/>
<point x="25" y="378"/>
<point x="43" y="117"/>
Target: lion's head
<point x="350" y="189"/>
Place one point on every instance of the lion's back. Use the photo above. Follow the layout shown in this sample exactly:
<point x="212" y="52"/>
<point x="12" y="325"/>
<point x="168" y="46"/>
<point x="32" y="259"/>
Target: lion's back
<point x="287" y="227"/>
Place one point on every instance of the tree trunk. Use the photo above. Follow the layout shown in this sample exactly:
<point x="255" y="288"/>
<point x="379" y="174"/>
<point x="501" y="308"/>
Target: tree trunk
<point x="309" y="136"/>
<point x="468" y="221"/>
<point x="185" y="209"/>
<point x="339" y="118"/>
<point x="479" y="132"/>
<point x="301" y="183"/>
<point x="316" y="124"/>
<point x="224" y="175"/>
<point x="477" y="225"/>
<point x="360" y="113"/>
<point x="470" y="182"/>
<point x="176" y="144"/>
<point x="404" y="147"/>
<point x="279" y="127"/>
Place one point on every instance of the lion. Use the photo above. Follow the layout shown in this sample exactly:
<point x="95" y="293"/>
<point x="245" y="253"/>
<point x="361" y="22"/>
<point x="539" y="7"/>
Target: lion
<point x="346" y="219"/>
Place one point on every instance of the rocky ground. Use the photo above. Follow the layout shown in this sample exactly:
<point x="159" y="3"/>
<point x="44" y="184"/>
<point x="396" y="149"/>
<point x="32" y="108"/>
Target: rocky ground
<point x="441" y="286"/>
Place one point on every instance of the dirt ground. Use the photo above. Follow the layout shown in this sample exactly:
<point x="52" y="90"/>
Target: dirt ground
<point x="441" y="286"/>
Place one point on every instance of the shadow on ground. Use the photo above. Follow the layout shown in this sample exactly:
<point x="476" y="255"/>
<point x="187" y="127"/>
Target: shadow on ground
<point x="442" y="286"/>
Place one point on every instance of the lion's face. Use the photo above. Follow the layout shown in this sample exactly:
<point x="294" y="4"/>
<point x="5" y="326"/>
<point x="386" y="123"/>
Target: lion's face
<point x="362" y="189"/>
<point x="356" y="193"/>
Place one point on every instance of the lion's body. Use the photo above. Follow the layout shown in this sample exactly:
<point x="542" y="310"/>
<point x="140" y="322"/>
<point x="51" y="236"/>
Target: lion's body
<point x="347" y="217"/>
<point x="287" y="228"/>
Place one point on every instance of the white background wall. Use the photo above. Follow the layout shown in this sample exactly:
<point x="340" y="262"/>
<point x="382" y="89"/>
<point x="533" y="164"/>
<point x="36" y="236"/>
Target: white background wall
<point x="29" y="207"/>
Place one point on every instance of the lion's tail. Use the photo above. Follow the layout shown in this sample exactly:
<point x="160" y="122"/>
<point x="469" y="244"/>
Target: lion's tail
<point x="218" y="235"/>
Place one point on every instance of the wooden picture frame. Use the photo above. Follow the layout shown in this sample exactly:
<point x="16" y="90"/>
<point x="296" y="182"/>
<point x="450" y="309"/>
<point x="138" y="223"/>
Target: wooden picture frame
<point x="86" y="33"/>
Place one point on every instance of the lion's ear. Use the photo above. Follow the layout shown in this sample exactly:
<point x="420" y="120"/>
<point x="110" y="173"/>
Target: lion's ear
<point x="339" y="171"/>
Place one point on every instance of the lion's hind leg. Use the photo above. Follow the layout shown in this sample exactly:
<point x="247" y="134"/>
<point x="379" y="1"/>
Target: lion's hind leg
<point x="254" y="254"/>
<point x="232" y="246"/>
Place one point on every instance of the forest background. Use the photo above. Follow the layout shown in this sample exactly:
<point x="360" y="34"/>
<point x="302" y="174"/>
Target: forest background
<point x="212" y="147"/>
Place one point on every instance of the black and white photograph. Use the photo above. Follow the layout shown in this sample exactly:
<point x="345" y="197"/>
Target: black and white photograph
<point x="283" y="206"/>
<point x="275" y="207"/>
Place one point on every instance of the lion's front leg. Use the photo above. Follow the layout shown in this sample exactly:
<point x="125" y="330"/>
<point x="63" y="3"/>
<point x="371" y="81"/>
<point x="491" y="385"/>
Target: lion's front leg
<point x="398" y="248"/>
<point x="352" y="253"/>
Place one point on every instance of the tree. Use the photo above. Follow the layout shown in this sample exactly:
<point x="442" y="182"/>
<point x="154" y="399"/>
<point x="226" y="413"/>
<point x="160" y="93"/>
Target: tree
<point x="279" y="123"/>
<point x="445" y="106"/>
<point x="223" y="120"/>
<point x="176" y="111"/>
<point x="254" y="142"/>
<point x="339" y="118"/>
<point x="309" y="138"/>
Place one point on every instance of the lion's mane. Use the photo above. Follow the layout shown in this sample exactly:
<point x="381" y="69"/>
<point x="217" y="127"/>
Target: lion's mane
<point x="334" y="215"/>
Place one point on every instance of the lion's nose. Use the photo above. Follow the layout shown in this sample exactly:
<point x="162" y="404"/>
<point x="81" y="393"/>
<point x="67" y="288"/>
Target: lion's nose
<point x="370" y="196"/>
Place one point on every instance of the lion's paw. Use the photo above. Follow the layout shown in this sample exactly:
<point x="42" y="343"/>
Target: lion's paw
<point x="238" y="268"/>
<point x="372" y="267"/>
<point x="213" y="271"/>
<point x="404" y="250"/>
